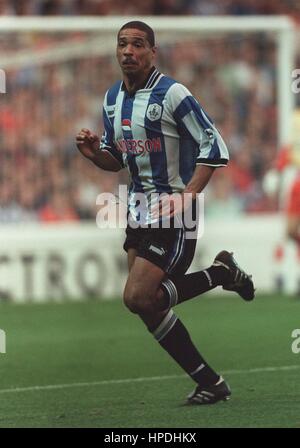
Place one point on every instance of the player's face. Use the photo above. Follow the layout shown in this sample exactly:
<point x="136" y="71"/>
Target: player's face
<point x="134" y="53"/>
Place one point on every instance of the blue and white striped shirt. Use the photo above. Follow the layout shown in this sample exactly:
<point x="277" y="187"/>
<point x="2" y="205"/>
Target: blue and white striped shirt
<point x="160" y="133"/>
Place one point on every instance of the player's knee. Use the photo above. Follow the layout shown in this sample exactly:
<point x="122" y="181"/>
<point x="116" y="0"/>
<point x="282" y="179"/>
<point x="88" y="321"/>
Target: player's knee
<point x="136" y="302"/>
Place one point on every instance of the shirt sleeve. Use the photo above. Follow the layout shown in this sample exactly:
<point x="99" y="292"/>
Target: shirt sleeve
<point x="193" y="122"/>
<point x="107" y="140"/>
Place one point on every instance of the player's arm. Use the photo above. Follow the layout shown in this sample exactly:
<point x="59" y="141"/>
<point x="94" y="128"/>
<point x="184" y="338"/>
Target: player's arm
<point x="200" y="179"/>
<point x="170" y="205"/>
<point x="173" y="204"/>
<point x="88" y="144"/>
<point x="194" y="124"/>
<point x="102" y="153"/>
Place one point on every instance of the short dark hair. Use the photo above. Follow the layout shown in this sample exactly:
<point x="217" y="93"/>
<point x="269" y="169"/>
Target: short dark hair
<point x="142" y="27"/>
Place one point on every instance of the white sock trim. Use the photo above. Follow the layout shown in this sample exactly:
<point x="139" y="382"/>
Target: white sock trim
<point x="198" y="369"/>
<point x="208" y="277"/>
<point x="165" y="326"/>
<point x="219" y="381"/>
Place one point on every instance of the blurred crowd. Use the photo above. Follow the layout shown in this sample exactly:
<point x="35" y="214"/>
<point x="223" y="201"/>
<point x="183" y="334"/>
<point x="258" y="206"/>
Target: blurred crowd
<point x="151" y="7"/>
<point x="42" y="175"/>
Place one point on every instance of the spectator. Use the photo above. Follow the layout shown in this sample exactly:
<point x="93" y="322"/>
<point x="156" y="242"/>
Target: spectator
<point x="58" y="209"/>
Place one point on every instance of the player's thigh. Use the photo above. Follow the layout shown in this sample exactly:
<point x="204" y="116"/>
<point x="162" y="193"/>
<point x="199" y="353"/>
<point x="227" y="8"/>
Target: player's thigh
<point x="131" y="256"/>
<point x="144" y="279"/>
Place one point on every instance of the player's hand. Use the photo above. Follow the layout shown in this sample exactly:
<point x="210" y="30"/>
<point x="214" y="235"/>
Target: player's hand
<point x="88" y="143"/>
<point x="171" y="205"/>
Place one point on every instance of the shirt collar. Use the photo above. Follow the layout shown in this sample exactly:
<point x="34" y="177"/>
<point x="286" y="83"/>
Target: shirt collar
<point x="149" y="81"/>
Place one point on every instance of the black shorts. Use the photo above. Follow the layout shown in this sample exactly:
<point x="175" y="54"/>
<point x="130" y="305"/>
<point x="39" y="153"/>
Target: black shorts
<point x="168" y="249"/>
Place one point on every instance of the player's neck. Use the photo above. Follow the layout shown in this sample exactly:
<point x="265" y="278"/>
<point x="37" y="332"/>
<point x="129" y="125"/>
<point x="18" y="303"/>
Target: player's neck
<point x="136" y="81"/>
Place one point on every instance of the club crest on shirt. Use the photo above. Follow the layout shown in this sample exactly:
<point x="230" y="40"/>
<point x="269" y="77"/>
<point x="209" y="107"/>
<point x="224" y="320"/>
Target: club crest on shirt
<point x="154" y="112"/>
<point x="126" y="125"/>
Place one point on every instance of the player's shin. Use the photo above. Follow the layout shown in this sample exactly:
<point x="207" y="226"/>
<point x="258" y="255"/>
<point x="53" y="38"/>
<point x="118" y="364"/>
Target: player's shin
<point x="175" y="339"/>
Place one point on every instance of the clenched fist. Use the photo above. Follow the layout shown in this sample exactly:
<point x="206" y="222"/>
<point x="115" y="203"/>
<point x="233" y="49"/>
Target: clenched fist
<point x="88" y="143"/>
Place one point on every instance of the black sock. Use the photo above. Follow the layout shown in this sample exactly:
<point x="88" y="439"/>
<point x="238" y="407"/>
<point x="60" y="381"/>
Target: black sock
<point x="175" y="339"/>
<point x="183" y="288"/>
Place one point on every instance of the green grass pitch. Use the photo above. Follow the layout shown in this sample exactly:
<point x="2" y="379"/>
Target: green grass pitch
<point x="95" y="365"/>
